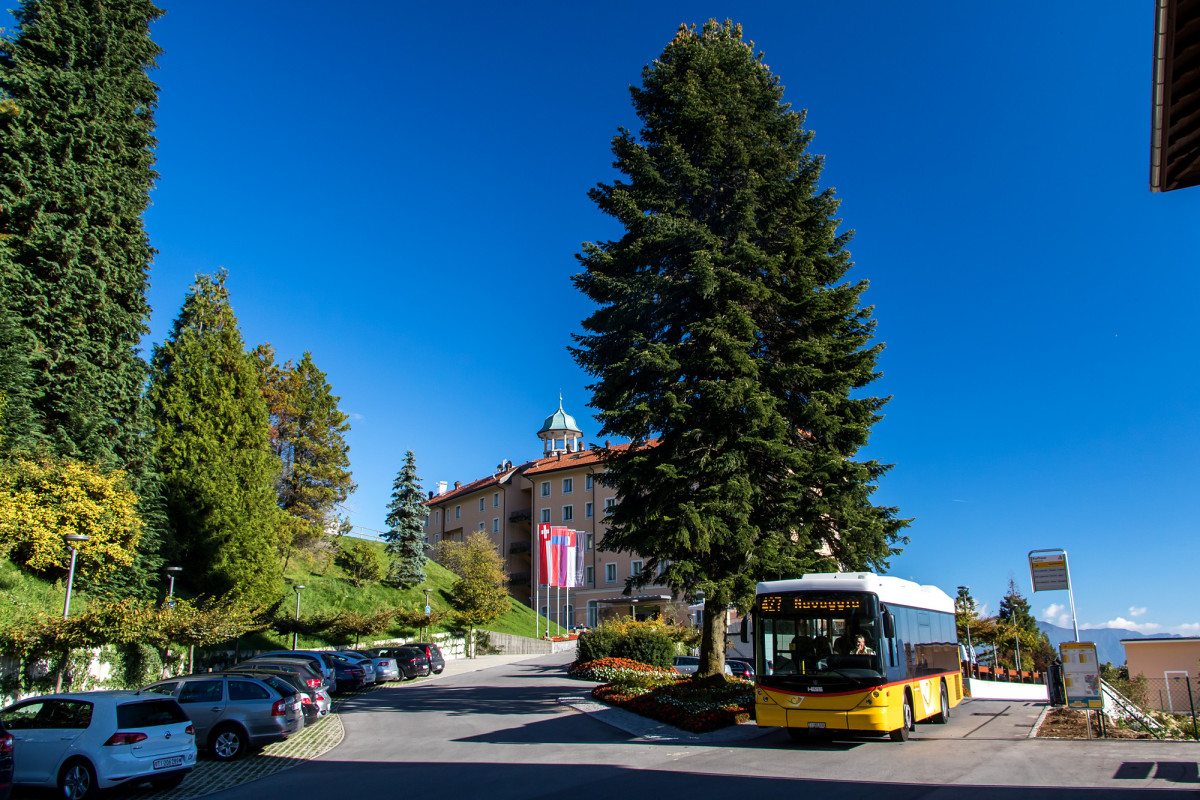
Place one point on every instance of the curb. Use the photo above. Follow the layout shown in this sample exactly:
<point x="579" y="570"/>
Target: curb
<point x="650" y="731"/>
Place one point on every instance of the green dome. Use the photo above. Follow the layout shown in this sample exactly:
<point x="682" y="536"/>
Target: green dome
<point x="559" y="421"/>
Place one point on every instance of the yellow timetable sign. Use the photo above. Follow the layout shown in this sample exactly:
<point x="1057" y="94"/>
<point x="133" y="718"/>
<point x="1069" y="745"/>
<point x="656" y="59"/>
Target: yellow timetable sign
<point x="1048" y="571"/>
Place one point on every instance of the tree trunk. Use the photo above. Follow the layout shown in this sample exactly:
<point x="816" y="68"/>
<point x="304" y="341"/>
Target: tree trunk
<point x="712" y="641"/>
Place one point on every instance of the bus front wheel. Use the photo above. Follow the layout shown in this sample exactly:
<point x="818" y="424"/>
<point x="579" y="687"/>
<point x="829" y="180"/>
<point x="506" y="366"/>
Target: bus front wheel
<point x="901" y="734"/>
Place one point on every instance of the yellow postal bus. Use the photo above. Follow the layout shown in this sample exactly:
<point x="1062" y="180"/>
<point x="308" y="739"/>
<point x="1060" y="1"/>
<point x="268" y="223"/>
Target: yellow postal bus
<point x="854" y="651"/>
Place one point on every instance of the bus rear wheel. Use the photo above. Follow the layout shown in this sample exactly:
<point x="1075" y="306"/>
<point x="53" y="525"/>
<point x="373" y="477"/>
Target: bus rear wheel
<point x="943" y="716"/>
<point x="901" y="734"/>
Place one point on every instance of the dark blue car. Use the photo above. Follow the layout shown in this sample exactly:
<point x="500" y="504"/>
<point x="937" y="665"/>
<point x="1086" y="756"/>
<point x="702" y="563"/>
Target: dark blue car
<point x="6" y="763"/>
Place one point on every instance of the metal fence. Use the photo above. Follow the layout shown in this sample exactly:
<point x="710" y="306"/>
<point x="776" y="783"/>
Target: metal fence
<point x="1164" y="706"/>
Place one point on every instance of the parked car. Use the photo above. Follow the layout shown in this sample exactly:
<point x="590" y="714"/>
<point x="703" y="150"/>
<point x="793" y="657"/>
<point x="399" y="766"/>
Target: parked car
<point x="690" y="665"/>
<point x="348" y="675"/>
<point x="361" y="662"/>
<point x="314" y="701"/>
<point x="234" y="712"/>
<point x="385" y="666"/>
<point x="6" y="763"/>
<point x="410" y="659"/>
<point x="434" y="653"/>
<point x="309" y="677"/>
<point x="86" y="742"/>
<point x="319" y="659"/>
<point x="742" y="668"/>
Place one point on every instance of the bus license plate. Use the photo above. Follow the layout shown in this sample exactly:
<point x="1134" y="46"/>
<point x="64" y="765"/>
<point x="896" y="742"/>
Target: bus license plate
<point x="163" y="763"/>
<point x="816" y="724"/>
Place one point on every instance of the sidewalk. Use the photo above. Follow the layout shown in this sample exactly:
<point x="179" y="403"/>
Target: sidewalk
<point x="211" y="776"/>
<point x="651" y="731"/>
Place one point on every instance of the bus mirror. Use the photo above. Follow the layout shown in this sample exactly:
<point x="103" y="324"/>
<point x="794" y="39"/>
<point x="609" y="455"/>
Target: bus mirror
<point x="889" y="625"/>
<point x="745" y="626"/>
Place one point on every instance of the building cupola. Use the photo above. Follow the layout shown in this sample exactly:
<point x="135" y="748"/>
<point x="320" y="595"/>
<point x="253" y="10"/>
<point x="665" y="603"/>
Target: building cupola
<point x="560" y="434"/>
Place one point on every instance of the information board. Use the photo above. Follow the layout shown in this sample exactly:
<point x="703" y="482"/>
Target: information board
<point x="1081" y="673"/>
<point x="1048" y="571"/>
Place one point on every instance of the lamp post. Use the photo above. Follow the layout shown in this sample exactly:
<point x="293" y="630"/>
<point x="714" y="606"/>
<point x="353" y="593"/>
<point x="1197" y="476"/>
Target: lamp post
<point x="296" y="633"/>
<point x="72" y="539"/>
<point x="428" y="611"/>
<point x="171" y="573"/>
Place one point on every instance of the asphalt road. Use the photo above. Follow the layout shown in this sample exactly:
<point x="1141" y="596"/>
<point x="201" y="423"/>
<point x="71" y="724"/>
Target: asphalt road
<point x="501" y="733"/>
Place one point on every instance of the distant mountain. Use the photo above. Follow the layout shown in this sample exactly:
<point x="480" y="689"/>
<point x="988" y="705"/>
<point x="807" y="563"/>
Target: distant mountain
<point x="1108" y="640"/>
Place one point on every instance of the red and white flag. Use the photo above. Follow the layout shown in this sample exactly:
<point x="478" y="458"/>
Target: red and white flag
<point x="557" y="551"/>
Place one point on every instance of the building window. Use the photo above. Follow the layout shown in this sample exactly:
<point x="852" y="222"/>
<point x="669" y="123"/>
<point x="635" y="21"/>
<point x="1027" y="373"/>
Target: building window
<point x="587" y="510"/>
<point x="610" y="573"/>
<point x="609" y="503"/>
<point x="545" y="515"/>
<point x="591" y="541"/>
<point x="495" y="524"/>
<point x="458" y="512"/>
<point x="435" y="517"/>
<point x="635" y="568"/>
<point x="593" y="612"/>
<point x="496" y="500"/>
<point x="481" y="504"/>
<point x="568" y="513"/>
<point x="589" y="576"/>
<point x="587" y="482"/>
<point x="545" y="488"/>
<point x="568" y="485"/>
<point x="483" y="526"/>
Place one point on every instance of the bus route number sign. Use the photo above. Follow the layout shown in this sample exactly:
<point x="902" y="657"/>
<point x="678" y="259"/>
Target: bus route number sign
<point x="1048" y="571"/>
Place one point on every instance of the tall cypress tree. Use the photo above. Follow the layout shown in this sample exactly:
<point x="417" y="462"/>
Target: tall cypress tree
<point x="210" y="437"/>
<point x="725" y="330"/>
<point x="76" y="169"/>
<point x="406" y="521"/>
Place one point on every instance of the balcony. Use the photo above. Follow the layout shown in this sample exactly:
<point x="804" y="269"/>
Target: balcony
<point x="525" y="515"/>
<point x="518" y="548"/>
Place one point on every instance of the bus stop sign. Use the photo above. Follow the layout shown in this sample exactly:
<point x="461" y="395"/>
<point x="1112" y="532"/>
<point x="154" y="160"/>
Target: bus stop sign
<point x="1048" y="571"/>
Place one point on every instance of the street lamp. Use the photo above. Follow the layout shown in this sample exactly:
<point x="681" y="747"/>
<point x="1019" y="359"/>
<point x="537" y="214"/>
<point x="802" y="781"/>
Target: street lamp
<point x="72" y="539"/>
<point x="428" y="611"/>
<point x="171" y="573"/>
<point x="296" y="633"/>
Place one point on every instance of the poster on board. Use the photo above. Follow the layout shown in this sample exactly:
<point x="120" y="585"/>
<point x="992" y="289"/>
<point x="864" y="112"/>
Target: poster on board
<point x="1081" y="673"/>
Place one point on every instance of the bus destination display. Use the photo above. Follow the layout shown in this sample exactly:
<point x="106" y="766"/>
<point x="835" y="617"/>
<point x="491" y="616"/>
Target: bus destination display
<point x="798" y="603"/>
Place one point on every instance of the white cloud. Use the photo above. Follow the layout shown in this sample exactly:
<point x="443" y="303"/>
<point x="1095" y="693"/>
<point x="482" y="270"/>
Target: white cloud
<point x="1129" y="625"/>
<point x="1057" y="614"/>
<point x="981" y="609"/>
<point x="1187" y="629"/>
<point x="1134" y="611"/>
<point x="357" y="417"/>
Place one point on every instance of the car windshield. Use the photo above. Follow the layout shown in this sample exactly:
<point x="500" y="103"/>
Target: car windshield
<point x="824" y="637"/>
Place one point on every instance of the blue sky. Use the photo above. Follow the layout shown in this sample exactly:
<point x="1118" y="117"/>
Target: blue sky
<point x="401" y="188"/>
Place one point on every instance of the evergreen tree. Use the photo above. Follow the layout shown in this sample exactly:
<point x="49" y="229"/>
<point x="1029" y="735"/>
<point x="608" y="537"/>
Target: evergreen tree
<point x="307" y="434"/>
<point x="212" y="444"/>
<point x="406" y="520"/>
<point x="725" y="329"/>
<point x="1014" y="609"/>
<point x="76" y="169"/>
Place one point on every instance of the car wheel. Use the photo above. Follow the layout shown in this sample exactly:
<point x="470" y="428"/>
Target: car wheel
<point x="943" y="716"/>
<point x="228" y="743"/>
<point x="901" y="734"/>
<point x="438" y="671"/>
<point x="77" y="780"/>
<point x="169" y="782"/>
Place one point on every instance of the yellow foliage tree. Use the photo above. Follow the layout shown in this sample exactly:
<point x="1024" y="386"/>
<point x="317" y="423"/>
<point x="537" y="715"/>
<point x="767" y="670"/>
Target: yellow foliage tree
<point x="43" y="500"/>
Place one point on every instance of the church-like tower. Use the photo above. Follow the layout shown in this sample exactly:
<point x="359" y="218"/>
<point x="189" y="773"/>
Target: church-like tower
<point x="560" y="434"/>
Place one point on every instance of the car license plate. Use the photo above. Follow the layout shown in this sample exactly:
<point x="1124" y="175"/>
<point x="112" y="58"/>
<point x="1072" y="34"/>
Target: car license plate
<point x="163" y="763"/>
<point x="816" y="724"/>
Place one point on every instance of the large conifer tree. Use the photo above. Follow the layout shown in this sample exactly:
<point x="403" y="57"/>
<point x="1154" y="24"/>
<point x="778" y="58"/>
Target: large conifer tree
<point x="76" y="169"/>
<point x="406" y="521"/>
<point x="308" y="435"/>
<point x="726" y="330"/>
<point x="211" y="441"/>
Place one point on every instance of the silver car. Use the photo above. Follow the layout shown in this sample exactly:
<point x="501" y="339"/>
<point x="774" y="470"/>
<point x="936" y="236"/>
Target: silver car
<point x="85" y="742"/>
<point x="386" y="668"/>
<point x="233" y="712"/>
<point x="354" y="659"/>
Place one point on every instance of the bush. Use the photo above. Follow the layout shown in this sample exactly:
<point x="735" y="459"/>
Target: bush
<point x="620" y="670"/>
<point x="651" y="642"/>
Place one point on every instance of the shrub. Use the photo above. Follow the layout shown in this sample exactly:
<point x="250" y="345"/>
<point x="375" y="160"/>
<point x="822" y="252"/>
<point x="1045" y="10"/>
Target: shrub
<point x="618" y="669"/>
<point x="650" y="642"/>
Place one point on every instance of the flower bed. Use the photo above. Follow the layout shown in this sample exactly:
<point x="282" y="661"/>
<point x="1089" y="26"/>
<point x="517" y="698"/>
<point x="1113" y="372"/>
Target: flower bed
<point x="608" y="670"/>
<point x="691" y="704"/>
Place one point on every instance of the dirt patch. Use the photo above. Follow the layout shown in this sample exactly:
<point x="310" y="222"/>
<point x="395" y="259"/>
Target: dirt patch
<point x="1069" y="723"/>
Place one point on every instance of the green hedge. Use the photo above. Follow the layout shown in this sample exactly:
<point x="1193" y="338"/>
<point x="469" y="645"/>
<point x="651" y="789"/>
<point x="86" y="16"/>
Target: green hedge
<point x="647" y="646"/>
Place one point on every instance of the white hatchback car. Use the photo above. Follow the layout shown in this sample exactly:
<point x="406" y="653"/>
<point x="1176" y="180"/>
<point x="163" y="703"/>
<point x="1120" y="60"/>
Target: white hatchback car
<point x="83" y="743"/>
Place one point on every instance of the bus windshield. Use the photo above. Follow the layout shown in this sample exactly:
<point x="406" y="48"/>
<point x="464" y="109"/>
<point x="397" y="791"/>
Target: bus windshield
<point x="822" y="637"/>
